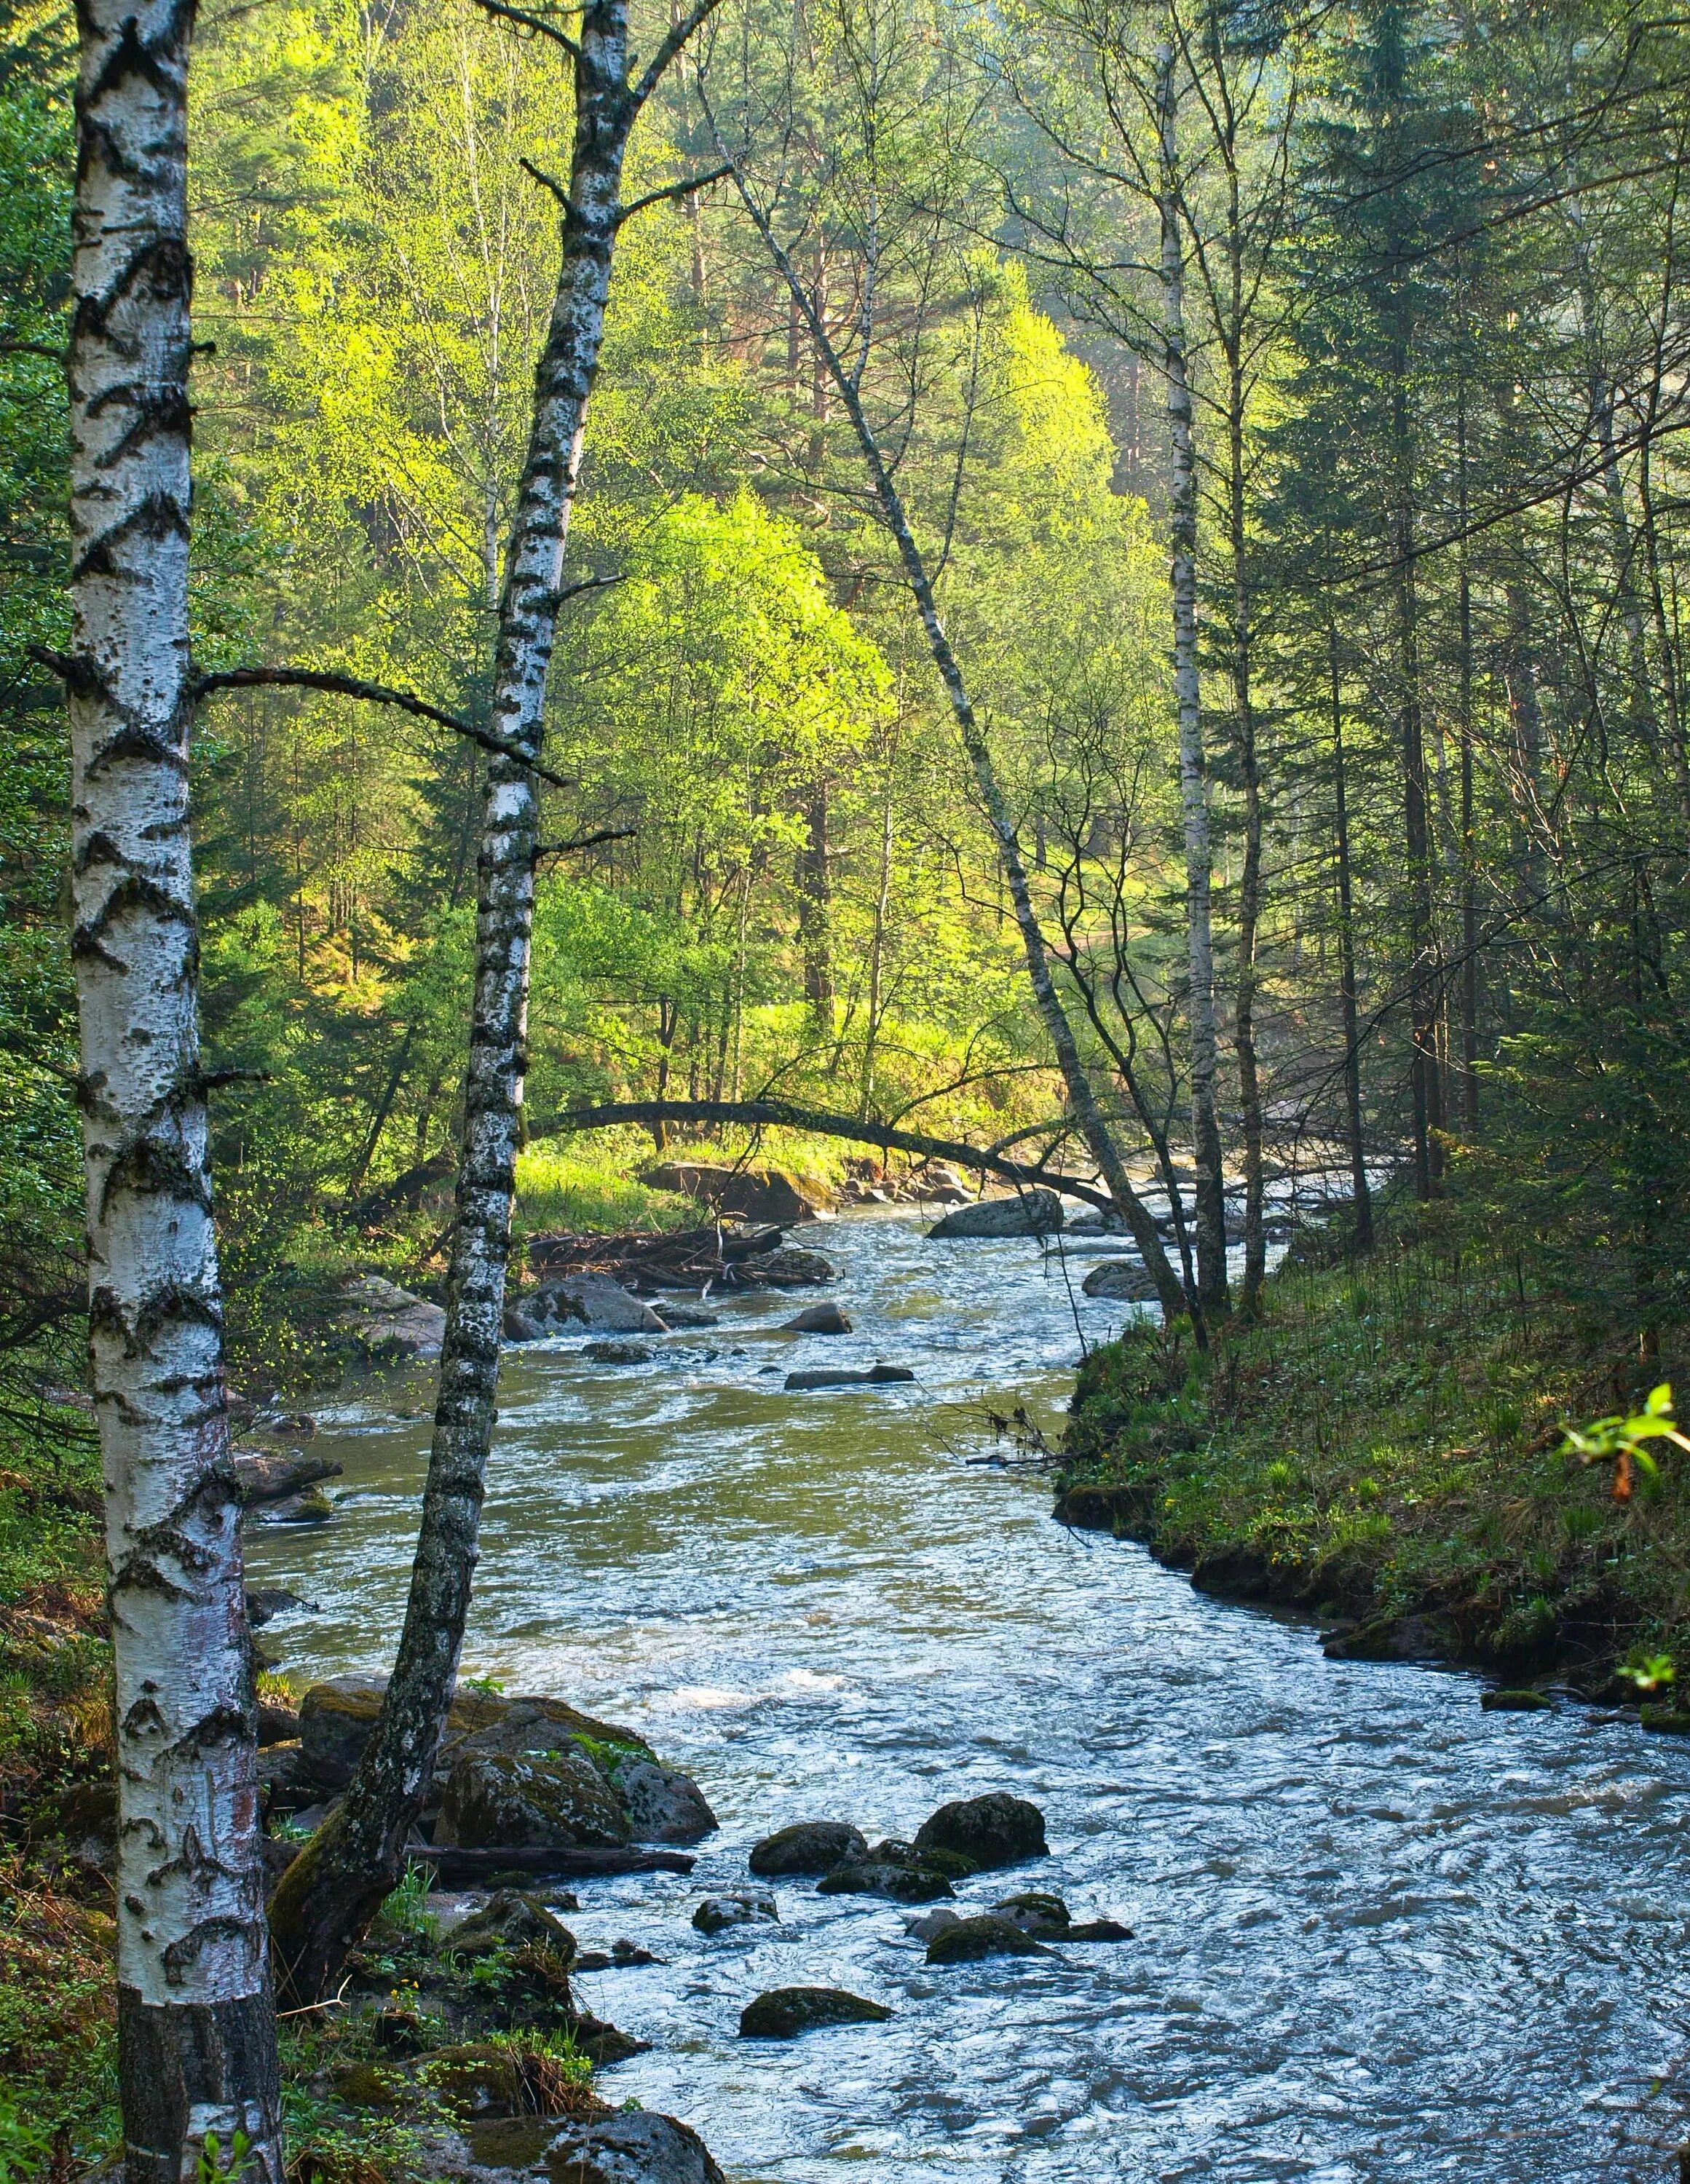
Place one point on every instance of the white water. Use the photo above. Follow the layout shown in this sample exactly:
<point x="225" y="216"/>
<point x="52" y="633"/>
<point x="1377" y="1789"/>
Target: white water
<point x="1379" y="1934"/>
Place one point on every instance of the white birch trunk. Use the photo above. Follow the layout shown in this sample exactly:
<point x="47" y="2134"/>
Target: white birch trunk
<point x="329" y="1893"/>
<point x="196" y="2026"/>
<point x="1182" y="500"/>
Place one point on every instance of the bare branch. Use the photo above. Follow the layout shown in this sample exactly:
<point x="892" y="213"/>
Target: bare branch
<point x="541" y="23"/>
<point x="584" y="842"/>
<point x="672" y="45"/>
<point x="682" y="189"/>
<point x="370" y="693"/>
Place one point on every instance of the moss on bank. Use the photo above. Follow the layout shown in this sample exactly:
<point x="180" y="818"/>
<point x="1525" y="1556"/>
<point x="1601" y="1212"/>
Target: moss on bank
<point x="1386" y="1449"/>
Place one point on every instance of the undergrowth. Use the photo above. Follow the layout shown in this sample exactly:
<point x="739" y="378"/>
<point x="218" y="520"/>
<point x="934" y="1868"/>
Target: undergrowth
<point x="1388" y="1440"/>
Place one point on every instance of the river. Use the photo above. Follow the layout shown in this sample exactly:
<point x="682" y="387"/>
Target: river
<point x="1379" y="1934"/>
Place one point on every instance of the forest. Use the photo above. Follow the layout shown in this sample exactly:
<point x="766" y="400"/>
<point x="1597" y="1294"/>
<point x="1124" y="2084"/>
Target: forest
<point x="885" y="595"/>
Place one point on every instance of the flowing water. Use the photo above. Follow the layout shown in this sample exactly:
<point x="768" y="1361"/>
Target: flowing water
<point x="1379" y="1934"/>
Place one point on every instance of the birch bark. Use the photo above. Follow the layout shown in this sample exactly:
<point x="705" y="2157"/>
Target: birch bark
<point x="1182" y="499"/>
<point x="331" y="1891"/>
<point x="196" y="2025"/>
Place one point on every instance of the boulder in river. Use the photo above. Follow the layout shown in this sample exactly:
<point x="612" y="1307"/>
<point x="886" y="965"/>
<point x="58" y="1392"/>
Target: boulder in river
<point x="786" y="1269"/>
<point x="337" y="1716"/>
<point x="736" y="1907"/>
<point x="266" y="1601"/>
<point x="386" y="1325"/>
<point x="810" y="1846"/>
<point x="591" y="1300"/>
<point x="629" y="2146"/>
<point x="663" y="1807"/>
<point x="817" y="1319"/>
<point x="784" y="2012"/>
<point x="987" y="1936"/>
<point x="264" y="1475"/>
<point x="617" y="1353"/>
<point x="1127" y="1279"/>
<point x="675" y="1312"/>
<point x="1028" y="1213"/>
<point x="1044" y="1917"/>
<point x="868" y="1376"/>
<point x="499" y="1800"/>
<point x="510" y="1919"/>
<point x="901" y="1884"/>
<point x="767" y="1194"/>
<point x="994" y="1830"/>
<point x="1516" y="1703"/>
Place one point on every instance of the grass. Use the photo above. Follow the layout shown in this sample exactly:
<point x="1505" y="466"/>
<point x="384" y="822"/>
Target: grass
<point x="1389" y="1442"/>
<point x="587" y="1184"/>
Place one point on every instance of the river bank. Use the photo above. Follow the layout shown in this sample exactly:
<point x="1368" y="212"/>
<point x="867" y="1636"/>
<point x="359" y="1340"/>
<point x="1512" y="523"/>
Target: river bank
<point x="1386" y="1451"/>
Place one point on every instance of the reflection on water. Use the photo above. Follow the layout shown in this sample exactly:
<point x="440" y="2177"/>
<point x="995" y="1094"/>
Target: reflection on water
<point x="1379" y="1934"/>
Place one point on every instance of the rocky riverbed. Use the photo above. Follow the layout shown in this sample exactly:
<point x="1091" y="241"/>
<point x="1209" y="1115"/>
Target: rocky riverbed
<point x="1376" y="1931"/>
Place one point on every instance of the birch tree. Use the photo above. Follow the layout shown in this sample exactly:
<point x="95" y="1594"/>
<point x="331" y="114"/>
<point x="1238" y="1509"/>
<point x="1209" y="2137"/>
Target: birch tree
<point x="330" y="1892"/>
<point x="196" y="2024"/>
<point x="851" y="203"/>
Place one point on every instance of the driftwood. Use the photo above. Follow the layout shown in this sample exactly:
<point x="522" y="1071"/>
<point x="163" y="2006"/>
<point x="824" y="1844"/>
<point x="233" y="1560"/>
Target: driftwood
<point x="683" y="1259"/>
<point x="780" y="1114"/>
<point x="470" y="1868"/>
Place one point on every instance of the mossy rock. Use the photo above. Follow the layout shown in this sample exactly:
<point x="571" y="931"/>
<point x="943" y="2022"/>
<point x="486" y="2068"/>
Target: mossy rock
<point x="784" y="2012"/>
<point x="902" y="1884"/>
<point x="1665" y="1720"/>
<point x="989" y="1936"/>
<point x="498" y="1801"/>
<point x="475" y="2080"/>
<point x="513" y="1920"/>
<point x="1516" y="1703"/>
<point x="364" y="2085"/>
<point x="808" y="1847"/>
<point x="993" y="1831"/>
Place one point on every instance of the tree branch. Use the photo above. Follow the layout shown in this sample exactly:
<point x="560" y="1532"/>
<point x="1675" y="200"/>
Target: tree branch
<point x="583" y="842"/>
<point x="671" y="45"/>
<point x="777" y="1114"/>
<point x="371" y="693"/>
<point x="524" y="20"/>
<point x="682" y="189"/>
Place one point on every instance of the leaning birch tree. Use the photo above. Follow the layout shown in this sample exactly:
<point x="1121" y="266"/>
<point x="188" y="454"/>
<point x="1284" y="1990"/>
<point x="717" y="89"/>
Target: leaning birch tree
<point x="329" y="1893"/>
<point x="196" y="2023"/>
<point x="820" y="206"/>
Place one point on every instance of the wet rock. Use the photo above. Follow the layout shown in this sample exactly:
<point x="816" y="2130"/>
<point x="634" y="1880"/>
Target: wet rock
<point x="591" y="1300"/>
<point x="871" y="1376"/>
<point x="784" y="2012"/>
<point x="266" y="1601"/>
<point x="265" y="1475"/>
<point x="1092" y="1508"/>
<point x="951" y="1864"/>
<point x="617" y="1353"/>
<point x="931" y="1923"/>
<point x="675" y="1313"/>
<point x="989" y="1936"/>
<point x="313" y="1506"/>
<point x="1044" y="1917"/>
<point x="808" y="1847"/>
<point x="1098" y="1930"/>
<point x="902" y="1884"/>
<point x="1030" y="1213"/>
<point x="740" y="1907"/>
<point x="497" y="1801"/>
<point x="337" y="1716"/>
<point x="994" y="1830"/>
<point x="769" y="1194"/>
<point x="386" y="1325"/>
<point x="277" y="1724"/>
<point x="521" y="1326"/>
<point x="788" y="1269"/>
<point x="663" y="1807"/>
<point x="1126" y="1279"/>
<point x="509" y="1920"/>
<point x="1096" y="1223"/>
<point x="1516" y="1703"/>
<point x="817" y="1319"/>
<point x="631" y="2146"/>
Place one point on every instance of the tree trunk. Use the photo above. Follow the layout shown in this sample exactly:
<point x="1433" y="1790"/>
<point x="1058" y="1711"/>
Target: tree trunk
<point x="1470" y="867"/>
<point x="1250" y="773"/>
<point x="1182" y="505"/>
<point x="813" y="912"/>
<point x="331" y="1890"/>
<point x="196" y="2024"/>
<point x="1361" y="1195"/>
<point x="1424" y="1084"/>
